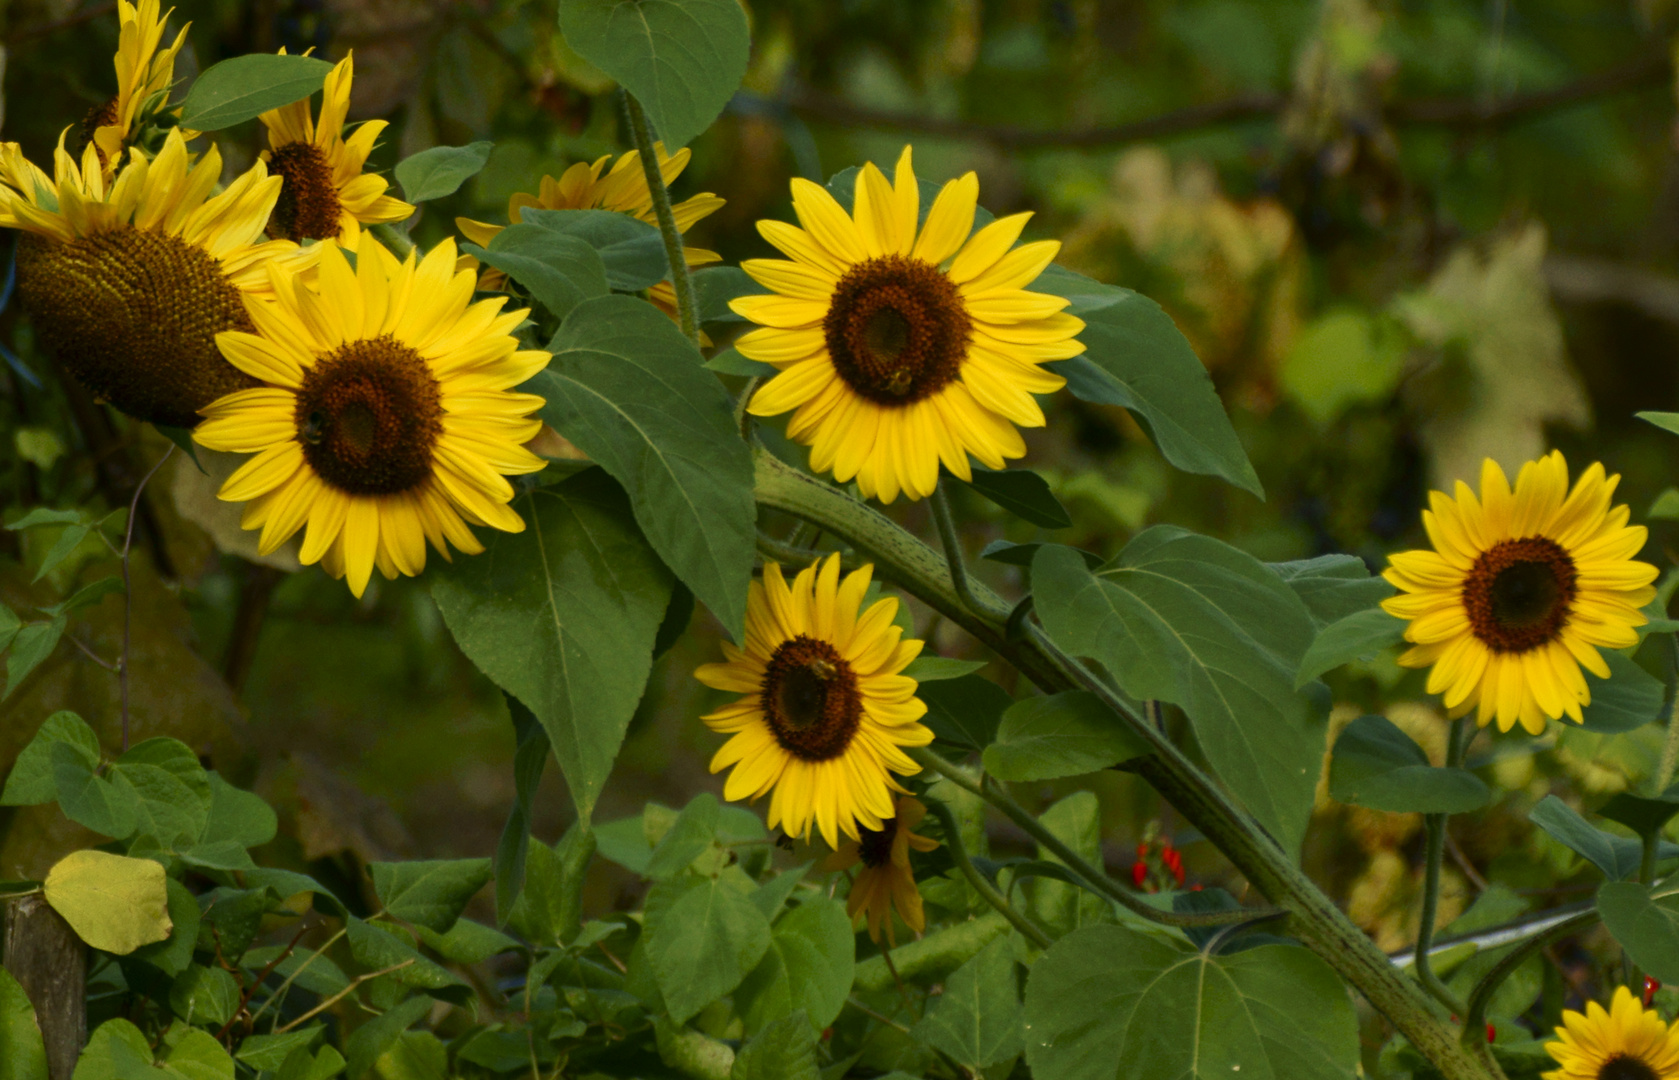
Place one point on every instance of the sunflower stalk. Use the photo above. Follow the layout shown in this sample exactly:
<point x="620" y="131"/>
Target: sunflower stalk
<point x="686" y="309"/>
<point x="986" y="891"/>
<point x="1670" y="748"/>
<point x="1434" y="857"/>
<point x="952" y="542"/>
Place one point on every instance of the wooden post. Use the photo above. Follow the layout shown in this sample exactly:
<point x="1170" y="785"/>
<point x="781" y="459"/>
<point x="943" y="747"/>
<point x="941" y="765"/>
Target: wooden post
<point x="50" y="962"/>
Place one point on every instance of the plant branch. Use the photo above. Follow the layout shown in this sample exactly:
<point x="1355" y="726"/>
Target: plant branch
<point x="1475" y="1016"/>
<point x="952" y="542"/>
<point x="987" y="891"/>
<point x="128" y="589"/>
<point x="1435" y="855"/>
<point x="1670" y="748"/>
<point x="286" y="985"/>
<point x="342" y="994"/>
<point x="684" y="285"/>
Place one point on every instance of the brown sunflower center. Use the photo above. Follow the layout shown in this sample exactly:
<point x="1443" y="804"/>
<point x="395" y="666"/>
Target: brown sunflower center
<point x="897" y="329"/>
<point x="875" y="847"/>
<point x="811" y="699"/>
<point x="369" y="415"/>
<point x="133" y="314"/>
<point x="308" y="207"/>
<point x="1623" y="1067"/>
<point x="1518" y="593"/>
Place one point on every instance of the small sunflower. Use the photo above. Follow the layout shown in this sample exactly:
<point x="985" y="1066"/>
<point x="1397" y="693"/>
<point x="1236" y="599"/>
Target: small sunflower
<point x="1521" y="590"/>
<point x="1628" y="1042"/>
<point x="128" y="283"/>
<point x="142" y="72"/>
<point x="901" y="348"/>
<point x="623" y="189"/>
<point x="386" y="416"/>
<point x="886" y="881"/>
<point x="824" y="710"/>
<point x="327" y="196"/>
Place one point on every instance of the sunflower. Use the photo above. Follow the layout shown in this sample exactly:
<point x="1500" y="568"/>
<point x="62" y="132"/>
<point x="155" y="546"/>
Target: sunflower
<point x="1520" y="592"/>
<point x="1628" y="1042"/>
<point x="386" y="417"/>
<point x="623" y="189"/>
<point x="886" y="880"/>
<point x="900" y="348"/>
<point x="327" y="196"/>
<point x="824" y="710"/>
<point x="128" y="283"/>
<point x="142" y="71"/>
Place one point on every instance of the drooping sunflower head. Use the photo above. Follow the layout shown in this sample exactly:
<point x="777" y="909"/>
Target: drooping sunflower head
<point x="904" y="343"/>
<point x="386" y="415"/>
<point x="144" y="74"/>
<point x="886" y="881"/>
<point x="128" y="283"/>
<point x="326" y="195"/>
<point x="1625" y="1042"/>
<point x="824" y="710"/>
<point x="1520" y="591"/>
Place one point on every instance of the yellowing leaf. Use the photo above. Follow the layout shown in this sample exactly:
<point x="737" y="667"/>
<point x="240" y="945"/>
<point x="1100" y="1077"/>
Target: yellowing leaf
<point x="114" y="903"/>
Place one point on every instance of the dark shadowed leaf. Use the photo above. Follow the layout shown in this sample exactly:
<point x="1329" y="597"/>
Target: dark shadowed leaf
<point x="964" y="712"/>
<point x="1630" y="698"/>
<point x="1361" y="634"/>
<point x="1377" y="765"/>
<point x="1069" y="734"/>
<point x="31" y="779"/>
<point x="1647" y="926"/>
<point x="1617" y="856"/>
<point x="1022" y="493"/>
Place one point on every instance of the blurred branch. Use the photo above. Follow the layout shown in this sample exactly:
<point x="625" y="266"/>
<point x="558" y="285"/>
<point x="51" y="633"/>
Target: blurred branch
<point x="28" y="33"/>
<point x="1582" y="279"/>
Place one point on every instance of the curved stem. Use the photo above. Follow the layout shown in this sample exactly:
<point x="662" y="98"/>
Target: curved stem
<point x="987" y="891"/>
<point x="684" y="285"/>
<point x="1475" y="1016"/>
<point x="1670" y="748"/>
<point x="1435" y="855"/>
<point x="952" y="542"/>
<point x="128" y="590"/>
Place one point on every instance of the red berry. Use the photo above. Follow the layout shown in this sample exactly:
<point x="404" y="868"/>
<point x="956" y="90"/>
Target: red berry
<point x="1139" y="872"/>
<point x="1651" y="985"/>
<point x="1492" y="1032"/>
<point x="1142" y="850"/>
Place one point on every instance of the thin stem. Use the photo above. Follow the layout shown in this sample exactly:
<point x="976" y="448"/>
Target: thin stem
<point x="128" y="590"/>
<point x="684" y="285"/>
<point x="1435" y="855"/>
<point x="872" y="1015"/>
<point x="1475" y="1015"/>
<point x="952" y="542"/>
<point x="341" y="995"/>
<point x="300" y="969"/>
<point x="91" y="655"/>
<point x="898" y="980"/>
<point x="1670" y="748"/>
<point x="987" y="891"/>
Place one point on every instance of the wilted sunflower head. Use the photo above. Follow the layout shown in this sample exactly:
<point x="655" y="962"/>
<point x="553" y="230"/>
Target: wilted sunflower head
<point x="885" y="881"/>
<point x="128" y="283"/>
<point x="325" y="195"/>
<point x="144" y="74"/>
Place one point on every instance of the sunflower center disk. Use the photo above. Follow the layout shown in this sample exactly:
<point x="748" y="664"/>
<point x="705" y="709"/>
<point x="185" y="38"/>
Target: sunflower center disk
<point x="369" y="416"/>
<point x="897" y="329"/>
<point x="308" y="207"/>
<point x="133" y="314"/>
<point x="1518" y="593"/>
<point x="875" y="847"/>
<point x="811" y="700"/>
<point x="1623" y="1067"/>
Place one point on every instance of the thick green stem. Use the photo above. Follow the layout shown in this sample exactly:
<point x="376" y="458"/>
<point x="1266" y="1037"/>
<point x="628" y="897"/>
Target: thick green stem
<point x="1434" y="856"/>
<point x="987" y="891"/>
<point x="952" y="541"/>
<point x="1670" y="749"/>
<point x="1317" y="922"/>
<point x="393" y="238"/>
<point x="1475" y="1017"/>
<point x="684" y="285"/>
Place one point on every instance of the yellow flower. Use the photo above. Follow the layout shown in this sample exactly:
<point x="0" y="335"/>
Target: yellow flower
<point x="886" y="880"/>
<point x="327" y="196"/>
<point x="824" y="710"/>
<point x="1520" y="592"/>
<point x="1628" y="1042"/>
<point x="901" y="349"/>
<point x="622" y="189"/>
<point x="141" y="72"/>
<point x="128" y="283"/>
<point x="387" y="416"/>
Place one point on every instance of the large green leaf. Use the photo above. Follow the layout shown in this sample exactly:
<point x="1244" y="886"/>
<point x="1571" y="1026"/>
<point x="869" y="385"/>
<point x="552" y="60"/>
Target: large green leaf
<point x="244" y="87"/>
<point x="376" y="1036"/>
<point x="1647" y="926"/>
<point x="1188" y="620"/>
<point x="1109" y="1003"/>
<point x="1333" y="586"/>
<point x="689" y="836"/>
<point x="977" y="1020"/>
<point x="628" y="389"/>
<point x="632" y="251"/>
<point x="1617" y="856"/>
<point x="1363" y="633"/>
<point x="558" y="271"/>
<point x="563" y="616"/>
<point x="808" y="967"/>
<point x="25" y="1056"/>
<point x="1047" y="738"/>
<point x="1022" y="493"/>
<point x="429" y="893"/>
<point x="785" y="1050"/>
<point x="89" y="799"/>
<point x="377" y="949"/>
<point x="1629" y="698"/>
<point x="702" y="939"/>
<point x="964" y="712"/>
<point x="1136" y="357"/>
<point x="682" y="59"/>
<point x="1377" y="765"/>
<point x="31" y="780"/>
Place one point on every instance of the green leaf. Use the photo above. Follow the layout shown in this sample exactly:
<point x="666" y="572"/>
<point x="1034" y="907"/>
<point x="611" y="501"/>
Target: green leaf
<point x="1188" y="620"/>
<point x="530" y="758"/>
<point x="1361" y="634"/>
<point x="1377" y="765"/>
<point x="1333" y="586"/>
<point x="166" y="809"/>
<point x="25" y="1056"/>
<point x="92" y="800"/>
<point x="925" y="668"/>
<point x="964" y="712"/>
<point x="66" y="544"/>
<point x="373" y="1038"/>
<point x="1022" y="493"/>
<point x="682" y="59"/>
<point x="1630" y="698"/>
<point x="704" y="943"/>
<point x="467" y="942"/>
<point x="429" y="893"/>
<point x="31" y="780"/>
<point x="244" y="87"/>
<point x="377" y="948"/>
<point x="86" y="596"/>
<point x="563" y="616"/>
<point x="559" y="271"/>
<point x="1068" y="734"/>
<point x="10" y="624"/>
<point x="182" y="438"/>
<point x="1617" y="856"/>
<point x="784" y="1050"/>
<point x="1136" y="357"/>
<point x="693" y="832"/>
<point x="289" y="883"/>
<point x="808" y="968"/>
<point x="113" y="903"/>
<point x="628" y="389"/>
<point x="309" y="970"/>
<point x="1666" y="506"/>
<point x="270" y="1051"/>
<point x="772" y="895"/>
<point x="441" y="170"/>
<point x="42" y="515"/>
<point x="1109" y="1003"/>
<point x="1647" y="927"/>
<point x="715" y="286"/>
<point x="1644" y="815"/>
<point x="632" y="251"/>
<point x="1667" y="421"/>
<point x="204" y="995"/>
<point x="416" y="1055"/>
<point x="978" y="1019"/>
<point x="237" y="815"/>
<point x="33" y="644"/>
<point x="731" y="362"/>
<point x="1022" y="554"/>
<point x="550" y="909"/>
<point x="172" y="955"/>
<point x="116" y="1051"/>
<point x="198" y="1056"/>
